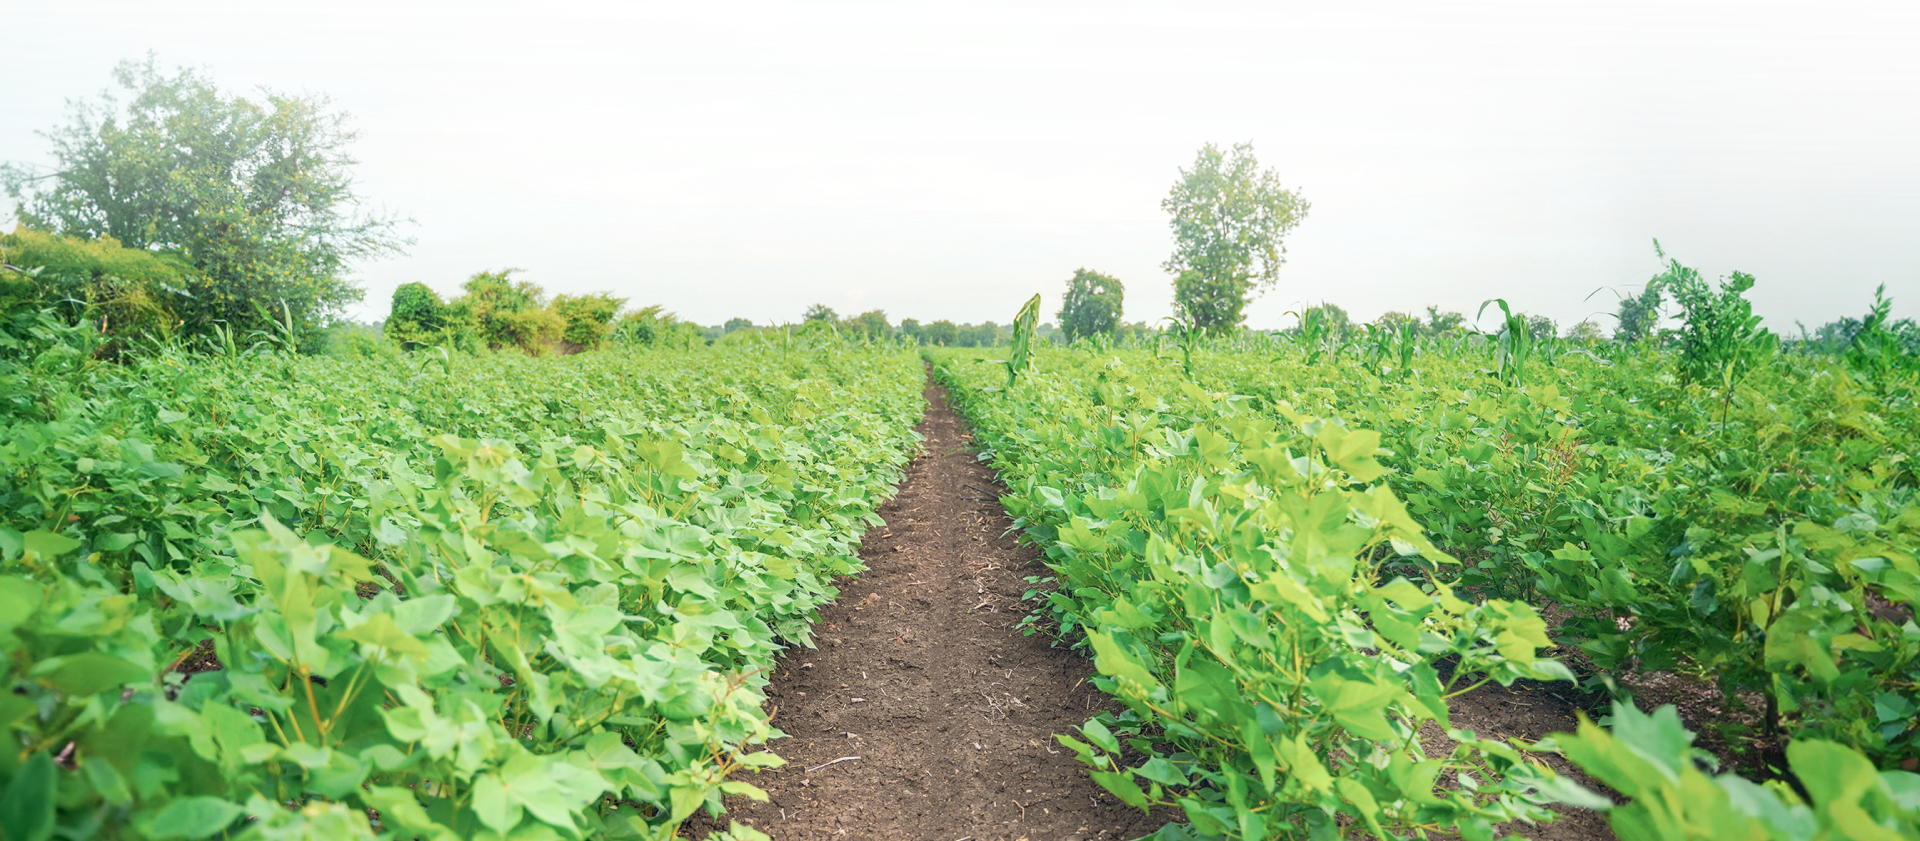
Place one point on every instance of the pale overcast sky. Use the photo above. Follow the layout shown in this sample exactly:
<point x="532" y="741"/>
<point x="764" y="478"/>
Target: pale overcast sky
<point x="949" y="160"/>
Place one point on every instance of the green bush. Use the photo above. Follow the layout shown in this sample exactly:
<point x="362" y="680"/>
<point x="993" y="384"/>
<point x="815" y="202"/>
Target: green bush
<point x="418" y="316"/>
<point x="588" y="318"/>
<point x="127" y="293"/>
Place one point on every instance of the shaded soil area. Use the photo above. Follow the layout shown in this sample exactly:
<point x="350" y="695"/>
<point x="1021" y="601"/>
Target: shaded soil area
<point x="925" y="713"/>
<point x="1527" y="711"/>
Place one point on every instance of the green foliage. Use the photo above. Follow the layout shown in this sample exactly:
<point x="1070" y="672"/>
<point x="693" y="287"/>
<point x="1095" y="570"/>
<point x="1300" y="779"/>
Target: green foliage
<point x="1639" y="315"/>
<point x="1443" y="322"/>
<point x="588" y="318"/>
<point x="653" y="326"/>
<point x="127" y="293"/>
<point x="418" y="316"/>
<point x="1587" y="332"/>
<point x="1092" y="305"/>
<point x="1265" y="608"/>
<point x="499" y="312"/>
<point x="945" y="333"/>
<point x="1314" y="330"/>
<point x="257" y="196"/>
<point x="1879" y="348"/>
<point x="941" y="333"/>
<point x="1229" y="221"/>
<point x="1722" y="339"/>
<point x="1769" y="550"/>
<point x="1541" y="328"/>
<point x="1020" y="359"/>
<point x="1649" y="760"/>
<point x="1513" y="343"/>
<point x="872" y="324"/>
<point x="510" y="597"/>
<point x="820" y="312"/>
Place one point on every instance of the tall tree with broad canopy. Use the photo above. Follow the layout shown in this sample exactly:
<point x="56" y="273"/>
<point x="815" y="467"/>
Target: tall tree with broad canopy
<point x="257" y="196"/>
<point x="871" y="323"/>
<point x="1229" y="221"/>
<point x="1092" y="304"/>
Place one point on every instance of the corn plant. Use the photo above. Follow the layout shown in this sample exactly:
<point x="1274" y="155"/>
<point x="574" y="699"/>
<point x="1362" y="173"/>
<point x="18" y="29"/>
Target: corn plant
<point x="1314" y="331"/>
<point x="1513" y="344"/>
<point x="1020" y="355"/>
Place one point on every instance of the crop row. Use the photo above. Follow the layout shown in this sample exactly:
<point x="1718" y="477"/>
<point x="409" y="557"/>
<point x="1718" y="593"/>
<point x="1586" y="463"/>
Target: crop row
<point x="1763" y="537"/>
<point x="427" y="597"/>
<point x="1255" y="576"/>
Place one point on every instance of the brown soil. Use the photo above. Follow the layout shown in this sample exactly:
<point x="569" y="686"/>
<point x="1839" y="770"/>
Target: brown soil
<point x="923" y="675"/>
<point x="1527" y="711"/>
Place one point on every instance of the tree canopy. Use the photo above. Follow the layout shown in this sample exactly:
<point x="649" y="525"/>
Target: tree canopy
<point x="499" y="311"/>
<point x="1092" y="304"/>
<point x="870" y="323"/>
<point x="1229" y="219"/>
<point x="820" y="312"/>
<point x="257" y="197"/>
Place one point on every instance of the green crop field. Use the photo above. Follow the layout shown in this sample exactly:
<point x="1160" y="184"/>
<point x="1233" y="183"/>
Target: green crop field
<point x="445" y="594"/>
<point x="482" y="598"/>
<point x="292" y="549"/>
<point x="1286" y="554"/>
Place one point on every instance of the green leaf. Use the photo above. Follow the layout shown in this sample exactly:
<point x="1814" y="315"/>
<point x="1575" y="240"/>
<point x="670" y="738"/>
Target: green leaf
<point x="1352" y="451"/>
<point x="380" y="630"/>
<point x="19" y="598"/>
<point x="47" y="545"/>
<point x="1163" y="772"/>
<point x="89" y="673"/>
<point x="1098" y="734"/>
<point x="194" y="818"/>
<point x="1110" y="660"/>
<point x="744" y="789"/>
<point x="492" y="805"/>
<point x="1358" y="705"/>
<point x="26" y="810"/>
<point x="1298" y="758"/>
<point x="1832" y="773"/>
<point x="1122" y="785"/>
<point x="1561" y="789"/>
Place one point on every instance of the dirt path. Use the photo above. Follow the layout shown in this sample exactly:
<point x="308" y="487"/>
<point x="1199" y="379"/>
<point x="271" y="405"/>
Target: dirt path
<point x="921" y="674"/>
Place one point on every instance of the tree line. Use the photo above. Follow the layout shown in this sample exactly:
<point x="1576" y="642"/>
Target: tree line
<point x="175" y="211"/>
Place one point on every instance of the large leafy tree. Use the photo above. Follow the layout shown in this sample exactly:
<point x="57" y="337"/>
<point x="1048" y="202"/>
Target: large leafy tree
<point x="820" y="312"/>
<point x="871" y="323"/>
<point x="1230" y="219"/>
<point x="1092" y="304"/>
<point x="257" y="196"/>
